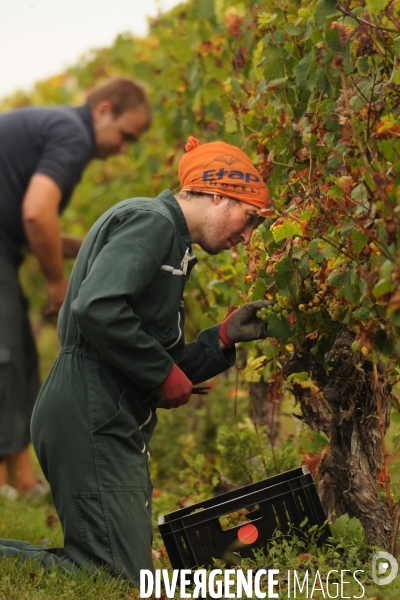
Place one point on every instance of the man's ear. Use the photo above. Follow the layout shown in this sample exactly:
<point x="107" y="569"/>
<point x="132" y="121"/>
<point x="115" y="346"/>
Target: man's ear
<point x="217" y="199"/>
<point x="101" y="110"/>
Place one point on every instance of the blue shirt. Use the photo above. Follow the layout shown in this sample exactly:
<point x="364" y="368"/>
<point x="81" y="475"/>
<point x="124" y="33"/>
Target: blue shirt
<point x="58" y="142"/>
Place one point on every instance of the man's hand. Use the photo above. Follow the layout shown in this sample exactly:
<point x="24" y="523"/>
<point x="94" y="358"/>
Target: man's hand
<point x="70" y="245"/>
<point x="174" y="391"/>
<point x="56" y="291"/>
<point x="242" y="325"/>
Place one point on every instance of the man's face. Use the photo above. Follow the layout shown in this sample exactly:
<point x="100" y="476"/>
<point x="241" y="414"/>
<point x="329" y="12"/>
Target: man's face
<point x="227" y="224"/>
<point x="114" y="134"/>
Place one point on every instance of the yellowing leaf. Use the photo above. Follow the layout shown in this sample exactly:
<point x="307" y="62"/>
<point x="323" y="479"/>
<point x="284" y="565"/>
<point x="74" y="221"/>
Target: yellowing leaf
<point x="387" y="127"/>
<point x="289" y="228"/>
<point x="345" y="183"/>
<point x="267" y="18"/>
<point x="302" y="378"/>
<point x="376" y="6"/>
<point x="253" y="370"/>
<point x="230" y="123"/>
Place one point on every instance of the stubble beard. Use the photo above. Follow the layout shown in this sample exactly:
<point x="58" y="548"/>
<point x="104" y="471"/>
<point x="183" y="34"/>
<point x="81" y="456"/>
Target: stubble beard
<point x="213" y="239"/>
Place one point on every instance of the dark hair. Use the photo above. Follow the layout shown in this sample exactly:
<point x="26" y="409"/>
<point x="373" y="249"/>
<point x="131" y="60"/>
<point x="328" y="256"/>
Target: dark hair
<point x="188" y="194"/>
<point x="124" y="94"/>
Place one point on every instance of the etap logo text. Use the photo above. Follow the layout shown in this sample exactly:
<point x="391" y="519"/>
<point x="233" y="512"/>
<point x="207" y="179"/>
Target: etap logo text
<point x="230" y="173"/>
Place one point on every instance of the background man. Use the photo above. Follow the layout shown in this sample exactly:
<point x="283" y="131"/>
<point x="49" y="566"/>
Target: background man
<point x="123" y="355"/>
<point x="43" y="153"/>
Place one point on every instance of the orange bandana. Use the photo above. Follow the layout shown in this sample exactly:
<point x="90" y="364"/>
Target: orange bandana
<point x="218" y="168"/>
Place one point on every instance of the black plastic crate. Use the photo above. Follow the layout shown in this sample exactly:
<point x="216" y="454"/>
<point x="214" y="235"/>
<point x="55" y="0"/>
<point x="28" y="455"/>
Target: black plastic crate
<point x="193" y="535"/>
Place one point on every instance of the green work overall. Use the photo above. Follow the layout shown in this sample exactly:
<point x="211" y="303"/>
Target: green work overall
<point x="121" y="329"/>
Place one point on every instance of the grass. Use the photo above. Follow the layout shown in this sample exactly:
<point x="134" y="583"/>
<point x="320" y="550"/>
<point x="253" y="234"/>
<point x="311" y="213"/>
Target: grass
<point x="38" y="524"/>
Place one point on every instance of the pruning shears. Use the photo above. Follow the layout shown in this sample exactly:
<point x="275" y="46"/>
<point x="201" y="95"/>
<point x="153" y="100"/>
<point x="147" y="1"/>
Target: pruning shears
<point x="201" y="390"/>
<point x="157" y="399"/>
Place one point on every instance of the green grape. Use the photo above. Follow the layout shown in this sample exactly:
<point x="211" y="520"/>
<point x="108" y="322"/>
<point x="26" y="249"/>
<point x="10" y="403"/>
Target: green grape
<point x="284" y="301"/>
<point x="224" y="521"/>
<point x="234" y="518"/>
<point x="259" y="314"/>
<point x="280" y="300"/>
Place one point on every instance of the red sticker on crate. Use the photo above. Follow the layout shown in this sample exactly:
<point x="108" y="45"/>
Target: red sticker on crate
<point x="248" y="534"/>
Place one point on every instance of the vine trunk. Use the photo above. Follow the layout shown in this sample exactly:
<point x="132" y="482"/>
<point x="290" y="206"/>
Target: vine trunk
<point x="345" y="408"/>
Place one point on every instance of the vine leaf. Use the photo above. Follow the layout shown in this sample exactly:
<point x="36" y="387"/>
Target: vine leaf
<point x="283" y="273"/>
<point x="359" y="240"/>
<point x="287" y="229"/>
<point x="278" y="328"/>
<point x="376" y="6"/>
<point x="383" y="343"/>
<point x="258" y="290"/>
<point x="325" y="8"/>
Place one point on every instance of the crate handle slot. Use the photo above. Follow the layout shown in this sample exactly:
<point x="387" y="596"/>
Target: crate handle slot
<point x="238" y="518"/>
<point x="200" y="540"/>
<point x="276" y="516"/>
<point x="210" y="533"/>
<point x="183" y="541"/>
<point x="289" y="520"/>
<point x="301" y="502"/>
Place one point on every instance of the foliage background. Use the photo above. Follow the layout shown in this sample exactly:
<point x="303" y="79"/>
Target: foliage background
<point x="190" y="64"/>
<point x="309" y="89"/>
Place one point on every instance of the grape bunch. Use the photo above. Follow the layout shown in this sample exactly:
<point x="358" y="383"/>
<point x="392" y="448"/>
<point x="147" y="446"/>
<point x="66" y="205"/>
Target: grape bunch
<point x="335" y="309"/>
<point x="297" y="334"/>
<point x="317" y="303"/>
<point x="234" y="519"/>
<point x="281" y="307"/>
<point x="324" y="300"/>
<point x="301" y="325"/>
<point x="285" y="302"/>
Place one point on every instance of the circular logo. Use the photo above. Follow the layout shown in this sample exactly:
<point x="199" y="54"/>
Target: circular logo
<point x="382" y="568"/>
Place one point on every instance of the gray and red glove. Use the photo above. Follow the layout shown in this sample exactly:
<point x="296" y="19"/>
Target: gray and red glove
<point x="174" y="391"/>
<point x="242" y="325"/>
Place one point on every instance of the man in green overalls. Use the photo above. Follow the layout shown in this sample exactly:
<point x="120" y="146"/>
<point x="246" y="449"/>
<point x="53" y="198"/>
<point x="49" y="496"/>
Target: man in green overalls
<point x="123" y="354"/>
